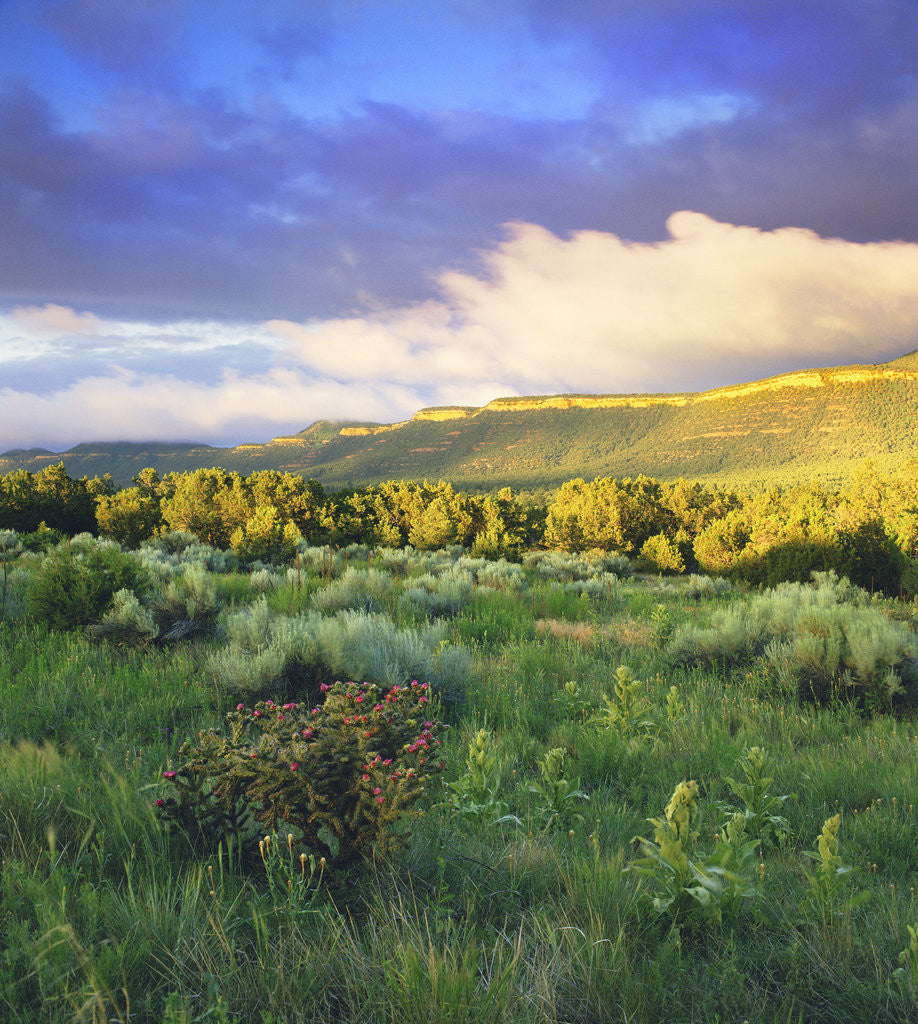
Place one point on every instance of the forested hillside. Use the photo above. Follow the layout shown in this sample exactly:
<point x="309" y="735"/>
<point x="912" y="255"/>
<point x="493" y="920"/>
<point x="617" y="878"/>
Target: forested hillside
<point x="815" y="424"/>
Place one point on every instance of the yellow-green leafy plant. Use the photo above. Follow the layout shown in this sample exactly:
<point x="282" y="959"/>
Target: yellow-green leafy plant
<point x="342" y="775"/>
<point x="572" y="702"/>
<point x="476" y="793"/>
<point x="675" y="710"/>
<point x="830" y="891"/>
<point x="907" y="974"/>
<point x="734" y="859"/>
<point x="760" y="808"/>
<point x="688" y="885"/>
<point x="558" y="796"/>
<point x="628" y="711"/>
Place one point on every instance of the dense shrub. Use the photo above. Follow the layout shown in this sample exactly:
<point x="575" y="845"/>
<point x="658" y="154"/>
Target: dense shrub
<point x="277" y="653"/>
<point x="74" y="584"/>
<point x="817" y="638"/>
<point x="190" y="598"/>
<point x="266" y="579"/>
<point x="371" y="646"/>
<point x="660" y="554"/>
<point x="501" y="575"/>
<point x="357" y="588"/>
<point x="173" y="542"/>
<point x="127" y="621"/>
<point x="255" y="659"/>
<point x="445" y="594"/>
<point x="343" y="774"/>
<point x="562" y="567"/>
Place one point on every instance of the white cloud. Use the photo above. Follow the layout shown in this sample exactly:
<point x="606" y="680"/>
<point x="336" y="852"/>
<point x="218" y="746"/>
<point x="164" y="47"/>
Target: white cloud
<point x="54" y="319"/>
<point x="711" y="304"/>
<point x="595" y="313"/>
<point x="238" y="407"/>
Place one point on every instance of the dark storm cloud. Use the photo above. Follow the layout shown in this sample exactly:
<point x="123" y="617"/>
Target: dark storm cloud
<point x="131" y="38"/>
<point x="826" y="56"/>
<point x="199" y="202"/>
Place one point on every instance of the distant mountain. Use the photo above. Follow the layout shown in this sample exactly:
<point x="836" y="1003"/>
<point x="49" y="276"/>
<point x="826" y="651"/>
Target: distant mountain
<point x="810" y="423"/>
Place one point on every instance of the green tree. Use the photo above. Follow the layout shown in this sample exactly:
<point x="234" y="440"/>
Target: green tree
<point x="130" y="516"/>
<point x="265" y="537"/>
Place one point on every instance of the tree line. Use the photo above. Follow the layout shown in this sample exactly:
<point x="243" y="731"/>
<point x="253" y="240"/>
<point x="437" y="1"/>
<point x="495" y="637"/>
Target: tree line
<point x="867" y="531"/>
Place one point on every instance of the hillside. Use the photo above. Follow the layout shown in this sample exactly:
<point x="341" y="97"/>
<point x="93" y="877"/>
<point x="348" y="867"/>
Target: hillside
<point x="815" y="423"/>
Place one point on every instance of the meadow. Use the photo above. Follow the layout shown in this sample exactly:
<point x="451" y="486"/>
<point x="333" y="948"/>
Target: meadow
<point x="634" y="798"/>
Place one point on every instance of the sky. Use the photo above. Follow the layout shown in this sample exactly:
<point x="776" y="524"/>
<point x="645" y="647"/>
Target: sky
<point x="222" y="221"/>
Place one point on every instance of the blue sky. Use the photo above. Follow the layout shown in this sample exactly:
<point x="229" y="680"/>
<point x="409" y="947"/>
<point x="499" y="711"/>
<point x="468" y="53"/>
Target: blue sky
<point x="223" y="221"/>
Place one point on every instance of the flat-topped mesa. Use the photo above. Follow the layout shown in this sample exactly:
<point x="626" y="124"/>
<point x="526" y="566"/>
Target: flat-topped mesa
<point x="433" y="412"/>
<point x="445" y="412"/>
<point x="367" y="431"/>
<point x="527" y="404"/>
<point x="797" y="379"/>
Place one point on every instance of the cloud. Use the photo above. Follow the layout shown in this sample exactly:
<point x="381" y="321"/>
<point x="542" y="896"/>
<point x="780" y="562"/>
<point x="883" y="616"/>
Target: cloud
<point x="55" y="319"/>
<point x="230" y="410"/>
<point x="593" y="312"/>
<point x="712" y="304"/>
<point x="206" y="193"/>
<point x="130" y="37"/>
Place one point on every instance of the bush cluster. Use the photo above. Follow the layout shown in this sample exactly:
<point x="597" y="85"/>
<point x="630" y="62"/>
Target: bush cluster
<point x="820" y="639"/>
<point x="342" y="774"/>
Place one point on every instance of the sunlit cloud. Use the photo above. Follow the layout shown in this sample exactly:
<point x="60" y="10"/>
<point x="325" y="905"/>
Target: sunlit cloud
<point x="712" y="304"/>
<point x="54" y="319"/>
<point x="593" y="312"/>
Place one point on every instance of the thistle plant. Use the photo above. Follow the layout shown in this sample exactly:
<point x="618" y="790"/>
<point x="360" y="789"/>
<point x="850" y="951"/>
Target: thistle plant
<point x="557" y="795"/>
<point x="342" y="775"/>
<point x="759" y="808"/>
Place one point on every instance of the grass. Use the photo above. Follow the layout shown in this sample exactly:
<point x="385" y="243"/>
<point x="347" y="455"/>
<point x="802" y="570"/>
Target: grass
<point x="105" y="917"/>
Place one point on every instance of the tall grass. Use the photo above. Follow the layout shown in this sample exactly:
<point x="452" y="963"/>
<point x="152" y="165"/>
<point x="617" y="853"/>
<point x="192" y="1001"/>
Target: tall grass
<point x="104" y="916"/>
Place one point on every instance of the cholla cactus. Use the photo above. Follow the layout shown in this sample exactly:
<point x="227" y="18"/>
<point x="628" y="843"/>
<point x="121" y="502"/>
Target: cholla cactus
<point x="343" y="774"/>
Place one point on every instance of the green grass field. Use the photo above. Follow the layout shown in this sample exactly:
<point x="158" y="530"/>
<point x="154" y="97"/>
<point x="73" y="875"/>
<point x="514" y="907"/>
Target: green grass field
<point x="518" y="894"/>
